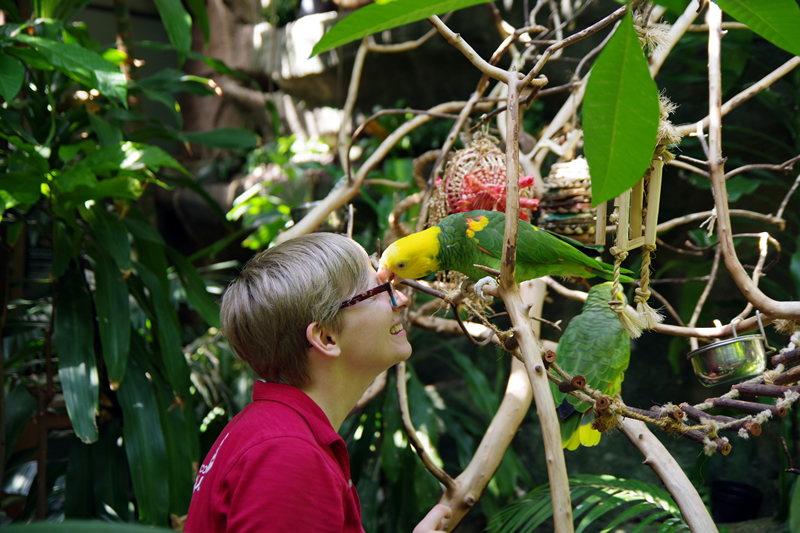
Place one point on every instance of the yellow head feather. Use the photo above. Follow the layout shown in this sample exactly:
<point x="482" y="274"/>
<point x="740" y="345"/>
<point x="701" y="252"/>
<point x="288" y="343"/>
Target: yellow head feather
<point x="414" y="256"/>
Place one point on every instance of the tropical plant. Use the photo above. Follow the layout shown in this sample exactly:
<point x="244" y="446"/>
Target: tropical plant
<point x="93" y="331"/>
<point x="593" y="497"/>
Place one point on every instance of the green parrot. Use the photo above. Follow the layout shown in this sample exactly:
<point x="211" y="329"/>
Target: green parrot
<point x="462" y="240"/>
<point x="594" y="346"/>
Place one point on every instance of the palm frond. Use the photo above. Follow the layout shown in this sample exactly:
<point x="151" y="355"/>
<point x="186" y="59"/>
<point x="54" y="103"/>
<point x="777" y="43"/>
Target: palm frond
<point x="593" y="497"/>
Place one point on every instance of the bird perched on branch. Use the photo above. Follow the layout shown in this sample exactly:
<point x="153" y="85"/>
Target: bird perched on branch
<point x="462" y="240"/>
<point x="594" y="346"/>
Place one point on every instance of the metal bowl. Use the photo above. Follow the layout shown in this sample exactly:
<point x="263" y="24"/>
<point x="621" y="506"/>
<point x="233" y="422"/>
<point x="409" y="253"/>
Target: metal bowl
<point x="729" y="360"/>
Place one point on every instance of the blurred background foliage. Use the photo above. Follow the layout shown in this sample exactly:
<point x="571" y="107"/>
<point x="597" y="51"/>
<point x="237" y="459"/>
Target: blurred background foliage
<point x="116" y="246"/>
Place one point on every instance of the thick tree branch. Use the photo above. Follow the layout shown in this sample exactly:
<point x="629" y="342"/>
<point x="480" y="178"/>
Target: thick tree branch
<point x="523" y="332"/>
<point x="672" y="475"/>
<point x="768" y="306"/>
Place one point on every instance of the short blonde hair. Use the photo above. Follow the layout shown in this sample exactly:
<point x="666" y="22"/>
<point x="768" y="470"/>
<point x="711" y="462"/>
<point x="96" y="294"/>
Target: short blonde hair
<point x="280" y="291"/>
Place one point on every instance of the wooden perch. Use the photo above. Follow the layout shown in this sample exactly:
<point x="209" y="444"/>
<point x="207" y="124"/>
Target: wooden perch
<point x="790" y="376"/>
<point x="577" y="382"/>
<point x="753" y="428"/>
<point x="786" y="358"/>
<point x="772" y="391"/>
<point x="747" y="407"/>
<point x="722" y="446"/>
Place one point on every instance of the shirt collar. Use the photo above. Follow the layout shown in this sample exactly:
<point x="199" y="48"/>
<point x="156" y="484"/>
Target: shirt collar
<point x="300" y="402"/>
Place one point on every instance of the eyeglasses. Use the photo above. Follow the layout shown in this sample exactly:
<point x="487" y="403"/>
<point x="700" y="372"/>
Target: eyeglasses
<point x="386" y="287"/>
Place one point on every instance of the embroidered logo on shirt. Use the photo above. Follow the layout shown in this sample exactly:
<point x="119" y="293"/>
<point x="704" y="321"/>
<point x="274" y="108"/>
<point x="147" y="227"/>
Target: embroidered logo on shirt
<point x="204" y="469"/>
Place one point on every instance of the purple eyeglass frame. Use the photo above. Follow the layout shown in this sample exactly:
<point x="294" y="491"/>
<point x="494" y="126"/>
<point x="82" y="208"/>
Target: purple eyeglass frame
<point x="385" y="287"/>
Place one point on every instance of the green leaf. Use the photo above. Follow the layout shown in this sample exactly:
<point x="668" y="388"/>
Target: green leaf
<point x="20" y="407"/>
<point x="79" y="499"/>
<point x="107" y="133"/>
<point x="476" y="380"/>
<point x="376" y="18"/>
<point x="111" y="475"/>
<point x="11" y="76"/>
<point x="620" y="116"/>
<point x="166" y="325"/>
<point x="131" y="156"/>
<point x="179" y="431"/>
<point x="200" y="299"/>
<point x="78" y="33"/>
<point x="63" y="250"/>
<point x="178" y="24"/>
<point x="24" y="187"/>
<point x="144" y="439"/>
<point x="142" y="230"/>
<point x="113" y="312"/>
<point x="74" y="342"/>
<point x="30" y="57"/>
<point x="198" y="9"/>
<point x="225" y="138"/>
<point x="81" y="64"/>
<point x="110" y="234"/>
<point x="774" y="20"/>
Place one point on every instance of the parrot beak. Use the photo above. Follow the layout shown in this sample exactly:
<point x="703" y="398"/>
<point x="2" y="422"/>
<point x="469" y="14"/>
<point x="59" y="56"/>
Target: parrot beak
<point x="385" y="274"/>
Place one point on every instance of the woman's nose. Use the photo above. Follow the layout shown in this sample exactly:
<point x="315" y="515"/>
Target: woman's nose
<point x="401" y="299"/>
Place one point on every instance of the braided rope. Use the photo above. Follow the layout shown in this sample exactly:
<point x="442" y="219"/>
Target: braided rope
<point x="630" y="321"/>
<point x="648" y="317"/>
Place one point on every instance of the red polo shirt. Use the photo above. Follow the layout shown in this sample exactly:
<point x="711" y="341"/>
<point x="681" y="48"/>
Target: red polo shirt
<point x="277" y="466"/>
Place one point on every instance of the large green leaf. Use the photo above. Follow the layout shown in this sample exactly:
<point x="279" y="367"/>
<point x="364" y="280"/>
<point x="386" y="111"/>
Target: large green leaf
<point x="200" y="14"/>
<point x="20" y="407"/>
<point x="179" y="435"/>
<point x="113" y="312"/>
<point x="74" y="342"/>
<point x="178" y="24"/>
<point x="11" y="76"/>
<point x="375" y="18"/>
<point x="111" y="476"/>
<point x="144" y="439"/>
<point x="775" y="20"/>
<point x="78" y="62"/>
<point x="226" y="138"/>
<point x="620" y="115"/>
<point x="79" y="498"/>
<point x="202" y="301"/>
<point x="109" y="233"/>
<point x="166" y="325"/>
<point x="23" y="187"/>
<point x="131" y="156"/>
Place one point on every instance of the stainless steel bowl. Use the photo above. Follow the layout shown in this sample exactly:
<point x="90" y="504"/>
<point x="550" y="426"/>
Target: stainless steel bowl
<point x="729" y="360"/>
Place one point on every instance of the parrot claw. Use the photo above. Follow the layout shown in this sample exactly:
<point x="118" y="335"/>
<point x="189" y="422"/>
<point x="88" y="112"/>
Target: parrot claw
<point x="481" y="283"/>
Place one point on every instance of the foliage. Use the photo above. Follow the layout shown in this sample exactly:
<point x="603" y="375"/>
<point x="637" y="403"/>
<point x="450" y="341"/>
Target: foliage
<point x="375" y="18"/>
<point x="75" y="160"/>
<point x="620" y="115"/>
<point x="592" y="498"/>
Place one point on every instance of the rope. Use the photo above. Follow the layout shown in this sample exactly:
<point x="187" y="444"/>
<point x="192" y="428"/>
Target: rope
<point x="648" y="316"/>
<point x="630" y="321"/>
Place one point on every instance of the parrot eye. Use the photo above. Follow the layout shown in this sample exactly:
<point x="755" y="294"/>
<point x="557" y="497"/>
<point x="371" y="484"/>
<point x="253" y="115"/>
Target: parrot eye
<point x="401" y="265"/>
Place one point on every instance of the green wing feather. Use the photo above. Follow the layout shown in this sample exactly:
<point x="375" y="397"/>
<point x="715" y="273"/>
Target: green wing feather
<point x="539" y="252"/>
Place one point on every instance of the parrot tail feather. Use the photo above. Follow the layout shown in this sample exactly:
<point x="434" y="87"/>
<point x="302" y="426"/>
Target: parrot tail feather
<point x="577" y="431"/>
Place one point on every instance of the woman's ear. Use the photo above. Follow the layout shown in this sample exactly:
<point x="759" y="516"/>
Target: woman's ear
<point x="322" y="340"/>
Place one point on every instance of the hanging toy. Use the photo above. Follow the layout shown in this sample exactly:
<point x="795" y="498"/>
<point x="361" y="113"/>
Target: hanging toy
<point x="475" y="178"/>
